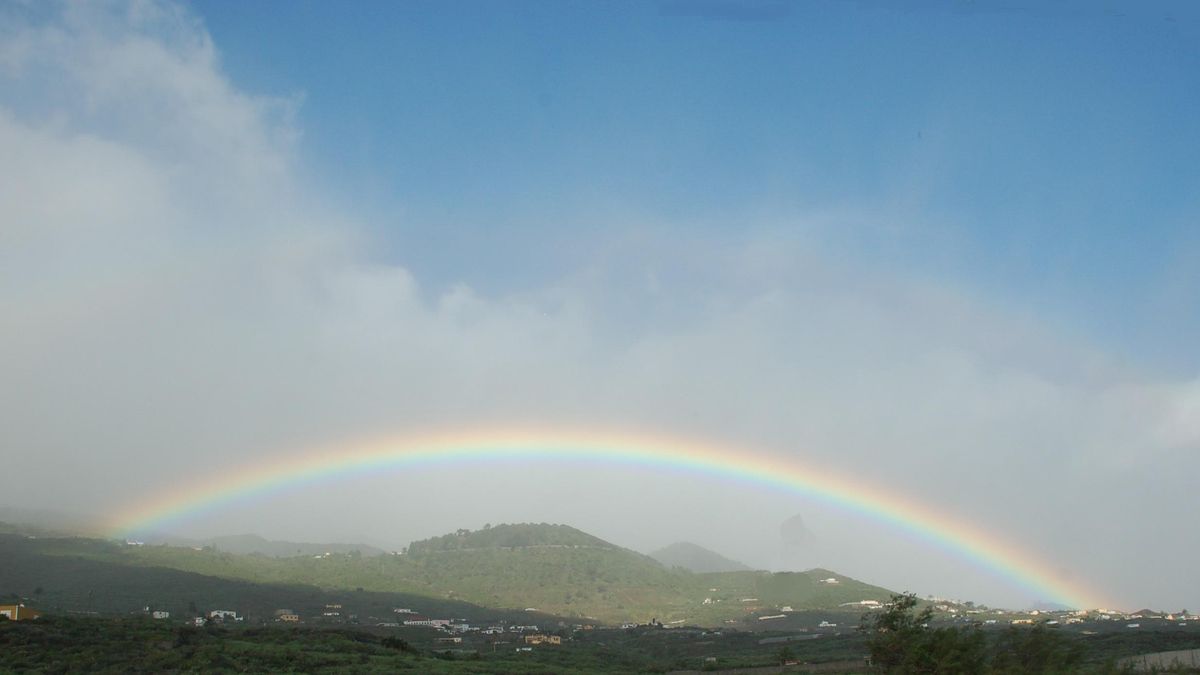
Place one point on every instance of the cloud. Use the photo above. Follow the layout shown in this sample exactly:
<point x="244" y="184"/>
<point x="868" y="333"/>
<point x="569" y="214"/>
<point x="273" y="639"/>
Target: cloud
<point x="176" y="298"/>
<point x="1181" y="421"/>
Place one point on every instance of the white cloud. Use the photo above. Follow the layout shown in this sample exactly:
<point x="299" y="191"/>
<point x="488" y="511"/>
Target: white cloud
<point x="1181" y="421"/>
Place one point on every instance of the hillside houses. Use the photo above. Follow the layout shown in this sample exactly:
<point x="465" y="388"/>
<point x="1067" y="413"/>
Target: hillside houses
<point x="865" y="604"/>
<point x="418" y="620"/>
<point x="286" y="616"/>
<point x="19" y="612"/>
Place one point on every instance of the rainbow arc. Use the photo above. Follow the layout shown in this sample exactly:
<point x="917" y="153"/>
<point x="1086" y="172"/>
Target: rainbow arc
<point x="966" y="541"/>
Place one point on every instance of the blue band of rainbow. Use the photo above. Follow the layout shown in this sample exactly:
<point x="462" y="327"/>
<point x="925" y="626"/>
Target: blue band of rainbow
<point x="962" y="540"/>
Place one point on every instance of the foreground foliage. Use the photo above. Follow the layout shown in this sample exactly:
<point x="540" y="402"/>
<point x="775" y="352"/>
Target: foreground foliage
<point x="901" y="640"/>
<point x="120" y="645"/>
<point x="71" y="645"/>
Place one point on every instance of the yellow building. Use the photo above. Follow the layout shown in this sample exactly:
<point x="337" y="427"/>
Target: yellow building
<point x="540" y="639"/>
<point x="18" y="612"/>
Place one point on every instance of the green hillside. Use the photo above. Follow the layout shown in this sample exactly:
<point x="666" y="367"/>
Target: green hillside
<point x="586" y="578"/>
<point x="696" y="558"/>
<point x="551" y="569"/>
<point x="755" y="594"/>
<point x="90" y="576"/>
<point x="519" y="535"/>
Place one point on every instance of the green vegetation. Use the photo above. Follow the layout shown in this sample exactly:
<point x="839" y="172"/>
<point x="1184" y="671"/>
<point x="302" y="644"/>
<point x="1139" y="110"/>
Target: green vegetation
<point x="1035" y="650"/>
<point x="90" y="576"/>
<point x="95" y="593"/>
<point x="520" y="535"/>
<point x="71" y="645"/>
<point x="553" y="569"/>
<point x="60" y="644"/>
<point x="74" y="644"/>
<point x="903" y="638"/>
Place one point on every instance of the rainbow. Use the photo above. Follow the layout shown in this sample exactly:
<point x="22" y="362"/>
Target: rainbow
<point x="962" y="540"/>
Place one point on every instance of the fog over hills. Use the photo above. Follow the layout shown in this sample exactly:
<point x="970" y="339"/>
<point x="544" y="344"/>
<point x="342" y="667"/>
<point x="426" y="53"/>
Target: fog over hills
<point x="696" y="558"/>
<point x="49" y="520"/>
<point x="255" y="544"/>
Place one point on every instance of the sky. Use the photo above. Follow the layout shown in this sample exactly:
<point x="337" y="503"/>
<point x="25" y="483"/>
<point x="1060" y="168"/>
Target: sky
<point x="952" y="249"/>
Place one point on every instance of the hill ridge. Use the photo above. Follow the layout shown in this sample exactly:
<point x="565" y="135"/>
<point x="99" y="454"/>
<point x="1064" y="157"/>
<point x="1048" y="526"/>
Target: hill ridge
<point x="696" y="558"/>
<point x="598" y="581"/>
<point x="509" y="536"/>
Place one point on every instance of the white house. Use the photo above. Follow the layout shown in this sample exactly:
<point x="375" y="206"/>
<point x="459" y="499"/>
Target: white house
<point x="422" y="621"/>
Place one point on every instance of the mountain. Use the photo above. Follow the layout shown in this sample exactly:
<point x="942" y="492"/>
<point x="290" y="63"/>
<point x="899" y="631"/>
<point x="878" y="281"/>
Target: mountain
<point x="92" y="576"/>
<point x="554" y="568"/>
<point x="696" y="558"/>
<point x="538" y="568"/>
<point x="1047" y="606"/>
<point x="519" y="535"/>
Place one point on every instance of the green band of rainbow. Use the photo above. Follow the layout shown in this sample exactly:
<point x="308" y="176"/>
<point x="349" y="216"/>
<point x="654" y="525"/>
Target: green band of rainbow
<point x="962" y="540"/>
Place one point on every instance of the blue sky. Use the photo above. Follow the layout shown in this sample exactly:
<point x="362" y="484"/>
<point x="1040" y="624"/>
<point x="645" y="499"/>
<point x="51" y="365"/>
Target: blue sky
<point x="1043" y="154"/>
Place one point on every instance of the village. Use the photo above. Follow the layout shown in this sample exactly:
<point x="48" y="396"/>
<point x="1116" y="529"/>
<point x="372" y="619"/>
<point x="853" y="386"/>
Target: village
<point x="453" y="631"/>
<point x="832" y="635"/>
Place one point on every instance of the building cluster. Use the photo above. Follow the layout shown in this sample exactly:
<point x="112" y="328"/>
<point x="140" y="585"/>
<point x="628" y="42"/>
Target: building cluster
<point x="1077" y="618"/>
<point x="455" y="630"/>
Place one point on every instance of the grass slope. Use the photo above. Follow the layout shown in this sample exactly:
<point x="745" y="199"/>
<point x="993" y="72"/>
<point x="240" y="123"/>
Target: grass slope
<point x="75" y="575"/>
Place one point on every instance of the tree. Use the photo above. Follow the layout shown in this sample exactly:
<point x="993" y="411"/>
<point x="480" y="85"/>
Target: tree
<point x="894" y="631"/>
<point x="1035" y="650"/>
<point x="900" y="640"/>
<point x="397" y="644"/>
<point x="785" y="655"/>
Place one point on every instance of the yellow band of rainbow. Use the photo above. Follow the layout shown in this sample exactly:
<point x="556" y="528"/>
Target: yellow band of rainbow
<point x="960" y="539"/>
